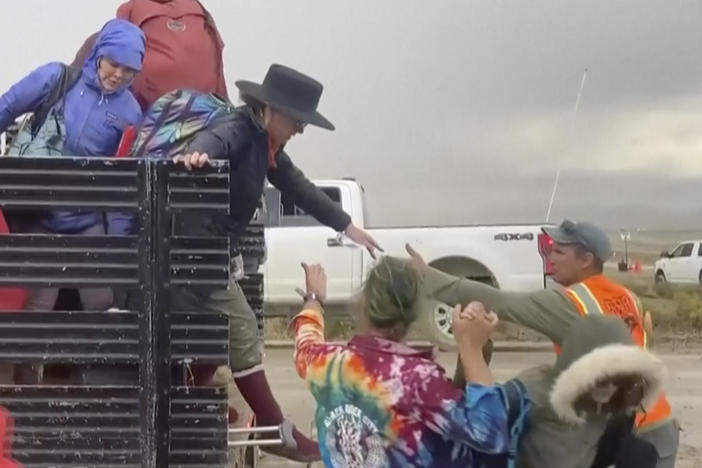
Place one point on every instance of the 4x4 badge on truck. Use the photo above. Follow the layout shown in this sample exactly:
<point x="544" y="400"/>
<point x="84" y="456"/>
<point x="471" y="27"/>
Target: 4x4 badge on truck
<point x="510" y="237"/>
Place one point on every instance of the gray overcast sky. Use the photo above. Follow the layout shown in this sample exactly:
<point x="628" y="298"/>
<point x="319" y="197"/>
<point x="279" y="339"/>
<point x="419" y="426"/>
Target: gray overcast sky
<point x="468" y="103"/>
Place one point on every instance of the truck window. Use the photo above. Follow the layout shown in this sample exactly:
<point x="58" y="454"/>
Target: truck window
<point x="687" y="250"/>
<point x="699" y="251"/>
<point x="684" y="250"/>
<point x="293" y="216"/>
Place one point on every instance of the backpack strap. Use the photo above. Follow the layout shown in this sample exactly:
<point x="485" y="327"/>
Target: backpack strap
<point x="518" y="405"/>
<point x="67" y="78"/>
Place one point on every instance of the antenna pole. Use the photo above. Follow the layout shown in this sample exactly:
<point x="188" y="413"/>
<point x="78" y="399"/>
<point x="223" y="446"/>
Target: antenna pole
<point x="572" y="128"/>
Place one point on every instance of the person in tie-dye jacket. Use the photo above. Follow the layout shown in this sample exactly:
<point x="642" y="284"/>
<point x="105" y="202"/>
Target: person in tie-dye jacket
<point x="381" y="403"/>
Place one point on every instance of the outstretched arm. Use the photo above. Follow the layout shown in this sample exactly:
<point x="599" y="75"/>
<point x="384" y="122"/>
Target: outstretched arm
<point x="547" y="311"/>
<point x="309" y="324"/>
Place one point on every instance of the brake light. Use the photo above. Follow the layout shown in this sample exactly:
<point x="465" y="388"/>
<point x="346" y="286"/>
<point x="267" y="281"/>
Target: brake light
<point x="545" y="244"/>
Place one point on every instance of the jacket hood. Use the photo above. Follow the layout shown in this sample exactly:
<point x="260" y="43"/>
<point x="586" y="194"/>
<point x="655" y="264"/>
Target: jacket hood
<point x="599" y="347"/>
<point x="120" y="41"/>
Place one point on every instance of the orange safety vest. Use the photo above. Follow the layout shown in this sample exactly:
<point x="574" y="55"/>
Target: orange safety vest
<point x="598" y="295"/>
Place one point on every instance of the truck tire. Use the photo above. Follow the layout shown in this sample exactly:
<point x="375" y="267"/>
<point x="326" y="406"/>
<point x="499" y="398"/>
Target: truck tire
<point x="435" y="325"/>
<point x="660" y="277"/>
<point x="439" y="332"/>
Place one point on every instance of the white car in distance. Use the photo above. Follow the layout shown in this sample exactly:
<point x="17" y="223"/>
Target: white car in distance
<point x="681" y="266"/>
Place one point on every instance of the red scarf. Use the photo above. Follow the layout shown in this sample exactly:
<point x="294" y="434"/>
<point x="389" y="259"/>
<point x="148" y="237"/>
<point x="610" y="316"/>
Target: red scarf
<point x="272" y="153"/>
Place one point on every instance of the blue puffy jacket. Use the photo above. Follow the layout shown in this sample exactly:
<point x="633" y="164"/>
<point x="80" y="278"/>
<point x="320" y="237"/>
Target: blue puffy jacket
<point x="94" y="119"/>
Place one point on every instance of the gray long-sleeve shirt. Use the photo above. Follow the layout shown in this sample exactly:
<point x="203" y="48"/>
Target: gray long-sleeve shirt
<point x="547" y="311"/>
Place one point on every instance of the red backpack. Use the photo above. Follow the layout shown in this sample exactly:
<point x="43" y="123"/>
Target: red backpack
<point x="183" y="48"/>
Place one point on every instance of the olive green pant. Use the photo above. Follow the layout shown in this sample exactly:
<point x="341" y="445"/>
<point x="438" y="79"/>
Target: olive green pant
<point x="245" y="343"/>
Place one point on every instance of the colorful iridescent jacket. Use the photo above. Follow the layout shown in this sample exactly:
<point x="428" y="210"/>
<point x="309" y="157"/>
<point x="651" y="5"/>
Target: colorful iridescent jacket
<point x="384" y="404"/>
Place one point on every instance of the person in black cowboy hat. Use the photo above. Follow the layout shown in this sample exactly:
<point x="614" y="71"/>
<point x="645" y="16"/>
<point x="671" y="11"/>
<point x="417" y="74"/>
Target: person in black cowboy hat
<point x="253" y="140"/>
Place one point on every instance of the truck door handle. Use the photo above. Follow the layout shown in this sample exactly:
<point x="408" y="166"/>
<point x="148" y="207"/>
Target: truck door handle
<point x="338" y="241"/>
<point x="334" y="242"/>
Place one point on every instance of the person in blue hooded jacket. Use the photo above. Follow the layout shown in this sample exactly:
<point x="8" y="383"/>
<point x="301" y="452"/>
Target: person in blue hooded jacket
<point x="95" y="111"/>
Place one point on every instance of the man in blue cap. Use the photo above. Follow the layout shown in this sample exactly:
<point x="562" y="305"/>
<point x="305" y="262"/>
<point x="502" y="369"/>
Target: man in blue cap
<point x="580" y="250"/>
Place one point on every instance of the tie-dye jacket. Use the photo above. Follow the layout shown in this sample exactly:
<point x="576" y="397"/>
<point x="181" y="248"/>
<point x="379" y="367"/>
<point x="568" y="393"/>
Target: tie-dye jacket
<point x="384" y="404"/>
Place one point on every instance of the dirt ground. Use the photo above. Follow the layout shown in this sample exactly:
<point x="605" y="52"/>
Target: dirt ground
<point x="683" y="390"/>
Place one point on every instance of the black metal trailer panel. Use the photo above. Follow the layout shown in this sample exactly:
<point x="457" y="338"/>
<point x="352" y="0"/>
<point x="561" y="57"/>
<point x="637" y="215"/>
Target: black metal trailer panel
<point x="151" y="421"/>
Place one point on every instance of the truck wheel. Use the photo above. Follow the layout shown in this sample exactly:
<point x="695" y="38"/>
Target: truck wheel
<point x="437" y="329"/>
<point x="699" y="278"/>
<point x="660" y="277"/>
<point x="435" y="326"/>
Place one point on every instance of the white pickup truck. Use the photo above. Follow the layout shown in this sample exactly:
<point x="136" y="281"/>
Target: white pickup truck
<point x="508" y="256"/>
<point x="681" y="266"/>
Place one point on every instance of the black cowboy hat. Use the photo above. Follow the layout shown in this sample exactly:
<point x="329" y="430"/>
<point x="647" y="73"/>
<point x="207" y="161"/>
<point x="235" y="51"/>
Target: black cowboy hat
<point x="289" y="91"/>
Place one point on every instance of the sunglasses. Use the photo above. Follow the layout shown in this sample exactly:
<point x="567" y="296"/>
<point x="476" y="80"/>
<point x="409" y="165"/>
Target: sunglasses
<point x="299" y="124"/>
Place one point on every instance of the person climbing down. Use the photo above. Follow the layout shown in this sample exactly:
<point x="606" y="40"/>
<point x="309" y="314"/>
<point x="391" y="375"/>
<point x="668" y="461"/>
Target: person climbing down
<point x="253" y="138"/>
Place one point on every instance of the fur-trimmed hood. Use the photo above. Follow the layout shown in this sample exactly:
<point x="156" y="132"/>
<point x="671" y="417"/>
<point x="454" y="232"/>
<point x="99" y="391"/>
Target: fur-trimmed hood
<point x="596" y="348"/>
